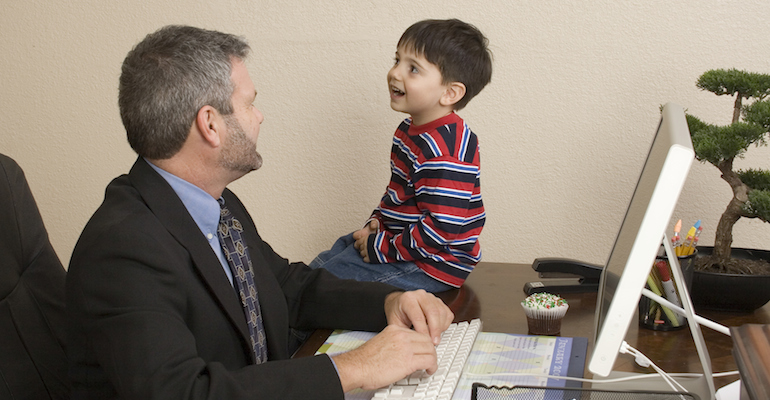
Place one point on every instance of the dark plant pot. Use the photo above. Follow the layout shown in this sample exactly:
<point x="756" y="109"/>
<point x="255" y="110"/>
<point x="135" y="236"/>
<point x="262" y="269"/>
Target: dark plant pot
<point x="732" y="292"/>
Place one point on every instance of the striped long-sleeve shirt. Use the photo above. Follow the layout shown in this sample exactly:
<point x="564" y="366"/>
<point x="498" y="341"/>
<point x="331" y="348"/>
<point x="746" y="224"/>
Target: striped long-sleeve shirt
<point x="432" y="211"/>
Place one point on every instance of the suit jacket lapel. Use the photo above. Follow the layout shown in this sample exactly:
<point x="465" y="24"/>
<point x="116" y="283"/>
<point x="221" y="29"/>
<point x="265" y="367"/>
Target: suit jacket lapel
<point x="171" y="212"/>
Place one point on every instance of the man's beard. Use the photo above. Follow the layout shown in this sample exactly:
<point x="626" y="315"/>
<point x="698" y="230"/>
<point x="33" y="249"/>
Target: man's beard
<point x="239" y="153"/>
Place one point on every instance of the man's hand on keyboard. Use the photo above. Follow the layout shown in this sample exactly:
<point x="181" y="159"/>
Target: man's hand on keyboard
<point x="451" y="354"/>
<point x="391" y="355"/>
<point x="420" y="310"/>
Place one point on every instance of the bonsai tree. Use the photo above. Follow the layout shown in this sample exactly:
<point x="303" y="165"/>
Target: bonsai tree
<point x="720" y="145"/>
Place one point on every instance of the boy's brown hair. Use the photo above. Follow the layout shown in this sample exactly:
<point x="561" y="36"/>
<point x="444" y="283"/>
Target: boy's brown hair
<point x="458" y="49"/>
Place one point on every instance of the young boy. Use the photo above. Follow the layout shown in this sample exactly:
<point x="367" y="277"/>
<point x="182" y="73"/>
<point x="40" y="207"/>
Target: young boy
<point x="424" y="234"/>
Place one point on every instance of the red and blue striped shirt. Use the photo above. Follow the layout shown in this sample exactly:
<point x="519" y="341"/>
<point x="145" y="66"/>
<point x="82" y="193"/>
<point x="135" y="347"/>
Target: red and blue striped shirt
<point x="432" y="213"/>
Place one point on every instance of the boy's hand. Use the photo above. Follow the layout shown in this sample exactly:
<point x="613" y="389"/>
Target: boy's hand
<point x="362" y="236"/>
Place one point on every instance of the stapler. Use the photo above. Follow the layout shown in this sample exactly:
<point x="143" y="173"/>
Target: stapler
<point x="563" y="275"/>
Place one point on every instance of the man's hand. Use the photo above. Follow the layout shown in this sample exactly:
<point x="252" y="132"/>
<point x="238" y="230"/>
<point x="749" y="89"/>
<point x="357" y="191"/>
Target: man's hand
<point x="420" y="310"/>
<point x="362" y="236"/>
<point x="391" y="355"/>
<point x="397" y="351"/>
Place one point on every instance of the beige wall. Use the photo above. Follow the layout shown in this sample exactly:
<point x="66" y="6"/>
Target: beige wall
<point x="564" y="126"/>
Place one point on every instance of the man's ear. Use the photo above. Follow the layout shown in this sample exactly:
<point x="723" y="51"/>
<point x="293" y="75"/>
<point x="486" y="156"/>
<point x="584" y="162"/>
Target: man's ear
<point x="455" y="91"/>
<point x="210" y="125"/>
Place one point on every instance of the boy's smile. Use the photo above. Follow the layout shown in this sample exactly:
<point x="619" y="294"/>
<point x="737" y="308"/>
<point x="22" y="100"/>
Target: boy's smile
<point x="416" y="87"/>
<point x="395" y="92"/>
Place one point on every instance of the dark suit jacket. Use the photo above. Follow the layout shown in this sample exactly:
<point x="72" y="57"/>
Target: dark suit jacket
<point x="153" y="316"/>
<point x="33" y="364"/>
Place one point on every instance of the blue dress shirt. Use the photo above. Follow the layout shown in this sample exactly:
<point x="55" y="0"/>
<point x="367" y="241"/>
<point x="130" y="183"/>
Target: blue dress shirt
<point x="204" y="210"/>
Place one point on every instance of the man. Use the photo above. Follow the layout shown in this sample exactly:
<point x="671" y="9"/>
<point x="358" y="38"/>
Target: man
<point x="154" y="282"/>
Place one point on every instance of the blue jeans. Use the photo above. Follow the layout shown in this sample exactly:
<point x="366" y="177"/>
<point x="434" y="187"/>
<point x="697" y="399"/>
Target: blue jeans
<point x="344" y="261"/>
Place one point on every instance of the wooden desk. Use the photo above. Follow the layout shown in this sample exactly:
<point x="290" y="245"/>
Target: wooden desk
<point x="493" y="293"/>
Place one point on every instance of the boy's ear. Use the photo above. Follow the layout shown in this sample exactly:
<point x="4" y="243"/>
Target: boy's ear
<point x="209" y="124"/>
<point x="455" y="91"/>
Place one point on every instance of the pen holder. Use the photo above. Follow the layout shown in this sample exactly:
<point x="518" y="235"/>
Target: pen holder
<point x="661" y="282"/>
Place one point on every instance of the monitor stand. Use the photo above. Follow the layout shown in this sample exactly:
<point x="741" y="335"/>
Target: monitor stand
<point x="702" y="386"/>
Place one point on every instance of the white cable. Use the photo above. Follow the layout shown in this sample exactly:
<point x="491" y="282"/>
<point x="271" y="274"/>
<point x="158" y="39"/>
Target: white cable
<point x="696" y="375"/>
<point x="648" y="363"/>
<point x="644" y="361"/>
<point x="589" y="380"/>
<point x="640" y="358"/>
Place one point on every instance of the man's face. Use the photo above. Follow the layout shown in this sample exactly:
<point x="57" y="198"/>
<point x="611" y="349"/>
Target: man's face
<point x="239" y="150"/>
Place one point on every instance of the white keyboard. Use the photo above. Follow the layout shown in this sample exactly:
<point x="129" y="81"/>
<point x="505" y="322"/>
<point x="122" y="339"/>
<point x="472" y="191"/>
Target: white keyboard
<point x="452" y="353"/>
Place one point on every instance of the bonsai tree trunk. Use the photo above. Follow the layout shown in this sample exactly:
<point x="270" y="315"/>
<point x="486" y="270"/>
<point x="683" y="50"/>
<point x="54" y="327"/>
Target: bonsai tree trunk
<point x="737" y="107"/>
<point x="723" y="239"/>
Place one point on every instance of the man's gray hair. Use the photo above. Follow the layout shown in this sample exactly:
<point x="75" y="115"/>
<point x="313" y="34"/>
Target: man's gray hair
<point x="167" y="78"/>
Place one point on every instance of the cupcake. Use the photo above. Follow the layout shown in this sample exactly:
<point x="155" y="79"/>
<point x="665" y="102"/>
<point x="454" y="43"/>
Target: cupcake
<point x="544" y="313"/>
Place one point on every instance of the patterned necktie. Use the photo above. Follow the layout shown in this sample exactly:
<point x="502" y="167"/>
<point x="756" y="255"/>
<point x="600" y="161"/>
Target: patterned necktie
<point x="230" y="236"/>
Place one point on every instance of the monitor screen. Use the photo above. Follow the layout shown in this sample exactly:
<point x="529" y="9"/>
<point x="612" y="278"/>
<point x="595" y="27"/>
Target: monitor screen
<point x="637" y="243"/>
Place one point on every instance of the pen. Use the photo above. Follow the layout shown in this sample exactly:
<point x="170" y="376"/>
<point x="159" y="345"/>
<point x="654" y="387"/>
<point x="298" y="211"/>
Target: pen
<point x="670" y="314"/>
<point x="669" y="291"/>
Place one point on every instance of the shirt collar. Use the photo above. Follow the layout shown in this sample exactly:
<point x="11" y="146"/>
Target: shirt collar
<point x="430" y="126"/>
<point x="203" y="208"/>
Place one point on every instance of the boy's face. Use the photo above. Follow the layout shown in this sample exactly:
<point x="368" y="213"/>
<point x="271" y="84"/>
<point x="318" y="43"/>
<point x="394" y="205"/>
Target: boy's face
<point x="416" y="87"/>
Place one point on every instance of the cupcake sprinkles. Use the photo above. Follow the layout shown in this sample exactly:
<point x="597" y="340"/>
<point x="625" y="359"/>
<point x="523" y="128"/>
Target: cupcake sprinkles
<point x="544" y="301"/>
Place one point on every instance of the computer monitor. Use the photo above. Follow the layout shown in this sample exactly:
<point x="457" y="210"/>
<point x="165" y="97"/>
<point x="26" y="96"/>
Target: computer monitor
<point x="639" y="239"/>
